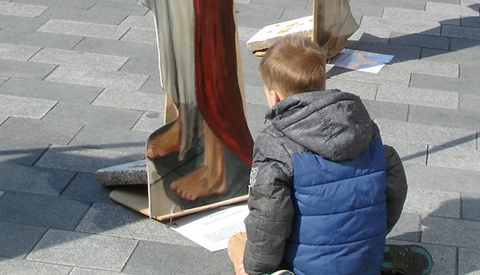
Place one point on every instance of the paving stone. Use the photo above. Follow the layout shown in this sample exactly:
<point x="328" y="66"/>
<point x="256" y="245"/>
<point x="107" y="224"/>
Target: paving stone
<point x="31" y="88"/>
<point x="407" y="228"/>
<point x="83" y="250"/>
<point x="414" y="96"/>
<point x="93" y="115"/>
<point x="83" y="29"/>
<point x="156" y="258"/>
<point x="469" y="72"/>
<point x="118" y="221"/>
<point x="255" y="95"/>
<point x="25" y="107"/>
<point x="470" y="22"/>
<point x="97" y="78"/>
<point x="469" y="103"/>
<point x="451" y="232"/>
<point x="25" y="10"/>
<point x="16" y="241"/>
<point x="39" y="39"/>
<point x="18" y="23"/>
<point x="126" y="8"/>
<point x="243" y="1"/>
<point x="409" y="15"/>
<point x="283" y="3"/>
<point x="456" y="157"/>
<point x="442" y="179"/>
<point x="146" y="36"/>
<point x="33" y="180"/>
<point x="20" y="151"/>
<point x="3" y="117"/>
<point x="388" y="74"/>
<point x="400" y="52"/>
<point x="87" y="271"/>
<point x="142" y="22"/>
<point x="463" y="52"/>
<point x="427" y="134"/>
<point x="426" y="67"/>
<point x="444" y="117"/>
<point x="469" y="46"/>
<point x="461" y="32"/>
<point x="372" y="36"/>
<point x="245" y="33"/>
<point x="444" y="259"/>
<point x="43" y="211"/>
<point x="76" y="4"/>
<point x="386" y="110"/>
<point x="149" y="122"/>
<point x="130" y="100"/>
<point x="79" y="59"/>
<point x="84" y="160"/>
<point x="141" y="66"/>
<point x="21" y="267"/>
<point x="83" y="15"/>
<point x="48" y="132"/>
<point x="409" y="152"/>
<point x="452" y="9"/>
<point x="248" y="15"/>
<point x="359" y="10"/>
<point x="256" y="118"/>
<point x="84" y="187"/>
<point x="420" y="40"/>
<point x="400" y="25"/>
<point x="363" y="90"/>
<point x="24" y="69"/>
<point x="121" y="140"/>
<point x="152" y="85"/>
<point x="468" y="261"/>
<point x="427" y="202"/>
<point x="405" y="4"/>
<point x="470" y="206"/>
<point x="17" y="52"/>
<point x="145" y="52"/>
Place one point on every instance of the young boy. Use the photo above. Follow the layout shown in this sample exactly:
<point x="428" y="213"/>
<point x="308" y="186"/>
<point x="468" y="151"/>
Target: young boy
<point x="324" y="189"/>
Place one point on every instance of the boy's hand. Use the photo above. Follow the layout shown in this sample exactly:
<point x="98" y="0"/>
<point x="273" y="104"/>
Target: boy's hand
<point x="240" y="269"/>
<point x="236" y="247"/>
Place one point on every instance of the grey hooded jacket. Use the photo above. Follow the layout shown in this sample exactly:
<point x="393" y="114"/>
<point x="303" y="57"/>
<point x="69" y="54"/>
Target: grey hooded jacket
<point x="332" y="124"/>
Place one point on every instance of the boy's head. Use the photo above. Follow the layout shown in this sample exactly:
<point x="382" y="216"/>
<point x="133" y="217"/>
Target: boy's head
<point x="293" y="65"/>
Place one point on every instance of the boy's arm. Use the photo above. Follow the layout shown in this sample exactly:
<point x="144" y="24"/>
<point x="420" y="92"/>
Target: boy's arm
<point x="269" y="222"/>
<point x="396" y="192"/>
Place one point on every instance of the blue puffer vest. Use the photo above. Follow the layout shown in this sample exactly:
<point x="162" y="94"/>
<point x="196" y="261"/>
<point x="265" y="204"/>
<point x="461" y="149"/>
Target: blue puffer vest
<point x="340" y="214"/>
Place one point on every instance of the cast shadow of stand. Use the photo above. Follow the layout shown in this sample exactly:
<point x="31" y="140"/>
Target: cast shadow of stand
<point x="449" y="233"/>
<point x="368" y="42"/>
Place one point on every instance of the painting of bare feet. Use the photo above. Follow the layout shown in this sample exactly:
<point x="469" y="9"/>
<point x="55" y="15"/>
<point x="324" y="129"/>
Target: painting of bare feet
<point x="201" y="157"/>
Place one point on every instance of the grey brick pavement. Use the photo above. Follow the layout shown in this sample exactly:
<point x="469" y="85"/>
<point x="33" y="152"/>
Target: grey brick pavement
<point x="80" y="90"/>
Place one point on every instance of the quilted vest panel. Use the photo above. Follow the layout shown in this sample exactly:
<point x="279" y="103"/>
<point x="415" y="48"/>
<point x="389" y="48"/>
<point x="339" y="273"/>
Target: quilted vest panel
<point x="340" y="214"/>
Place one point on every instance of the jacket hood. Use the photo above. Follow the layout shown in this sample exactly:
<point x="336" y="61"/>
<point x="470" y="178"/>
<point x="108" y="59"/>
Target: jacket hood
<point x="330" y="123"/>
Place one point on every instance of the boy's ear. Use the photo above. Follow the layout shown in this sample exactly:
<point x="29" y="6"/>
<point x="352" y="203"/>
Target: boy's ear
<point x="277" y="96"/>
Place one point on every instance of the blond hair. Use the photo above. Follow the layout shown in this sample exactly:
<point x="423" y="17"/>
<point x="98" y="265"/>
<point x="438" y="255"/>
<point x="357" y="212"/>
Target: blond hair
<point x="294" y="65"/>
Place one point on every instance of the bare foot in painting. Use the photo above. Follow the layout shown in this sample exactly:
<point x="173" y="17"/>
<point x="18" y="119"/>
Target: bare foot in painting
<point x="199" y="183"/>
<point x="165" y="143"/>
<point x="208" y="179"/>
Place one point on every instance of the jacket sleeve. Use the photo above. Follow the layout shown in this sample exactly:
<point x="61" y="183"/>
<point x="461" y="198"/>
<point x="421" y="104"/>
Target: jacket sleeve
<point x="269" y="222"/>
<point x="396" y="191"/>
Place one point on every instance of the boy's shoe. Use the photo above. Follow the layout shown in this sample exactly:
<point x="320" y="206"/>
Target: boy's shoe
<point x="282" y="272"/>
<point x="406" y="259"/>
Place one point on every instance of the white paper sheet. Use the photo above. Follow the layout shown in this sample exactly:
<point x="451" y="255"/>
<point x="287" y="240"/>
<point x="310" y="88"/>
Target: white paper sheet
<point x="361" y="61"/>
<point x="212" y="229"/>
